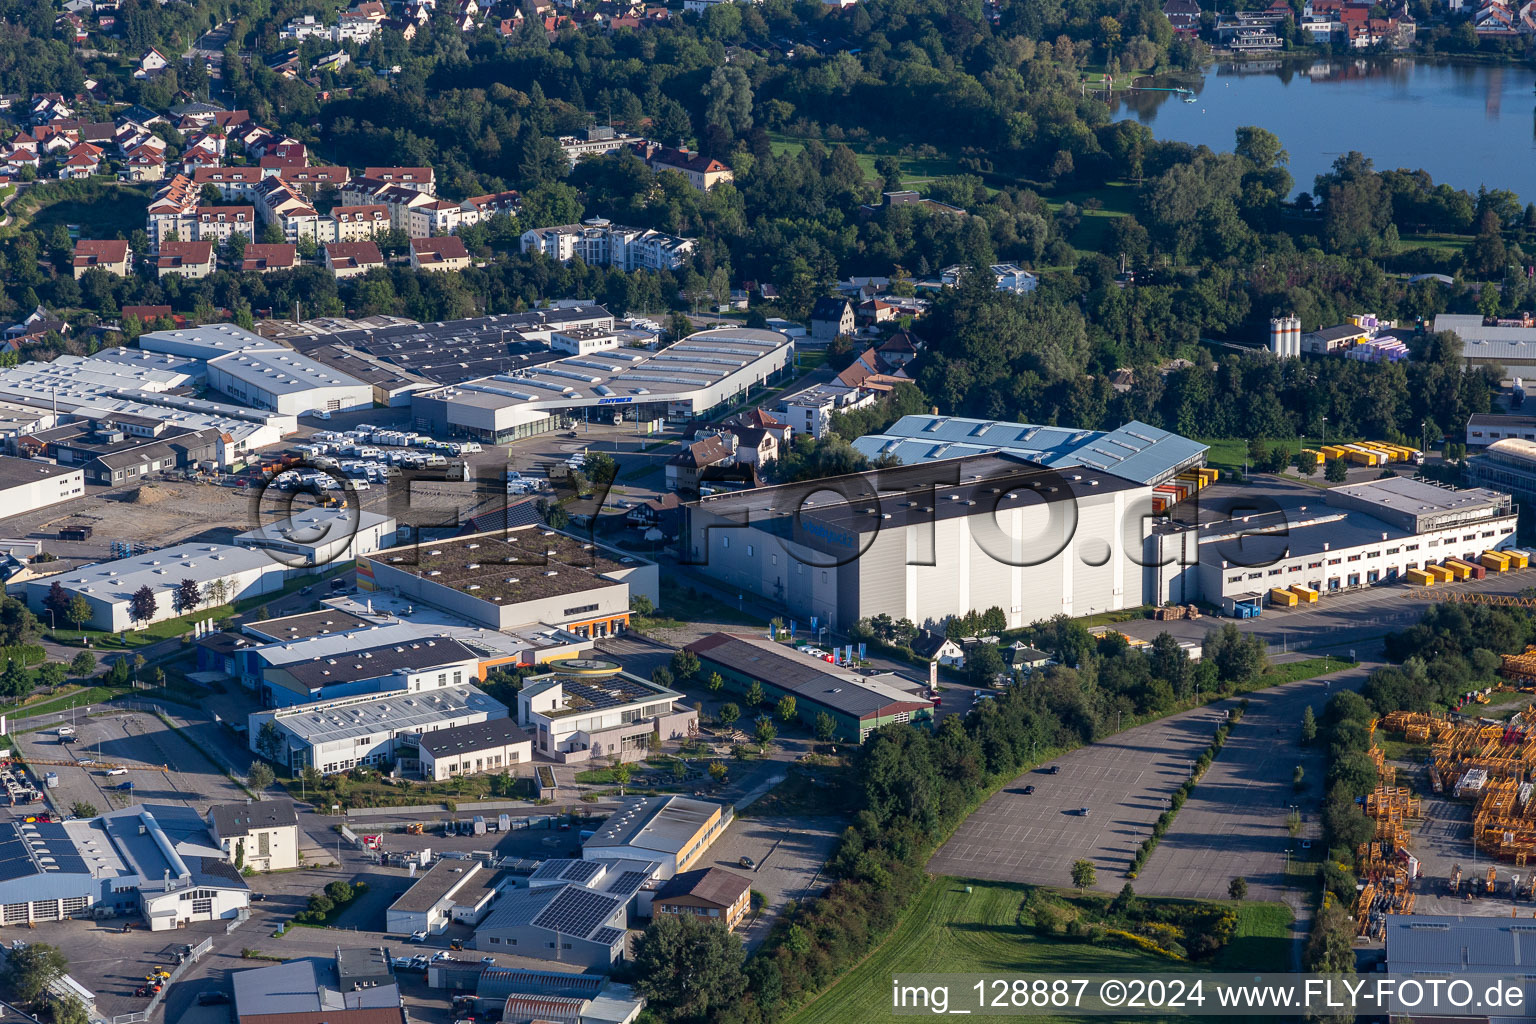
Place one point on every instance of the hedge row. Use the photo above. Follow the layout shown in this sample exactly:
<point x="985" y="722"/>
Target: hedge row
<point x="1176" y="801"/>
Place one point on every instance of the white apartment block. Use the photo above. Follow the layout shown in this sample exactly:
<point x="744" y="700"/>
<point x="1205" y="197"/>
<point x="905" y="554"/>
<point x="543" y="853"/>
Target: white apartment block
<point x="601" y="243"/>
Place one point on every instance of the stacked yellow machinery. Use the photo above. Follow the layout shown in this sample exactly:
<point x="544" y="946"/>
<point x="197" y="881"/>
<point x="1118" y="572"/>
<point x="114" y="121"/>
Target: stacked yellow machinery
<point x="1384" y="861"/>
<point x="1488" y="762"/>
<point x="1520" y="668"/>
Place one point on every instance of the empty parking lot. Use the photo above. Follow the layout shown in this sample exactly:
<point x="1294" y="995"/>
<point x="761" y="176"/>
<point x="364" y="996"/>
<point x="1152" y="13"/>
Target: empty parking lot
<point x="1234" y="823"/>
<point x="140" y="743"/>
<point x="1123" y="782"/>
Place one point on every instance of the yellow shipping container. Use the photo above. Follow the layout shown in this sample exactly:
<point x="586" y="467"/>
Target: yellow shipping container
<point x="1306" y="594"/>
<point x="1215" y="474"/>
<point x="1458" y="570"/>
<point x="1282" y="597"/>
<point x="1419" y="577"/>
<point x="1332" y="451"/>
<point x="1494" y="561"/>
<point x="1440" y="573"/>
<point x="1517" y="559"/>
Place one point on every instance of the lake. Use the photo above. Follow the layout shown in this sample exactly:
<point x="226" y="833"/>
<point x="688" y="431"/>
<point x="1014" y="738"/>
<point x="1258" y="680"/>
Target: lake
<point x="1466" y="124"/>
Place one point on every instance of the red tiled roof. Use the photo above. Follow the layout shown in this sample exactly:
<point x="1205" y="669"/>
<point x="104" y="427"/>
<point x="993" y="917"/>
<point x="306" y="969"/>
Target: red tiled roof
<point x="92" y="252"/>
<point x="354" y="254"/>
<point x="439" y="248"/>
<point x="268" y="256"/>
<point x="183" y="254"/>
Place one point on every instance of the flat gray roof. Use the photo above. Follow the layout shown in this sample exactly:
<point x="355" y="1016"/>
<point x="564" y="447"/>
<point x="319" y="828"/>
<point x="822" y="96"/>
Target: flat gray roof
<point x="664" y="823"/>
<point x="442" y="878"/>
<point x="16" y="472"/>
<point x="329" y="721"/>
<point x="1419" y="497"/>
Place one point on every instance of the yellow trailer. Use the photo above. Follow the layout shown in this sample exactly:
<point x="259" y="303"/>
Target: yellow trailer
<point x="1381" y="446"/>
<point x="1494" y="561"/>
<point x="1362" y="456"/>
<point x="1419" y="577"/>
<point x="1211" y="474"/>
<point x="1457" y="568"/>
<point x="1308" y="455"/>
<point x="1304" y="594"/>
<point x="1332" y="451"/>
<point x="1440" y="573"/>
<point x="1282" y="597"/>
<point x="1517" y="559"/>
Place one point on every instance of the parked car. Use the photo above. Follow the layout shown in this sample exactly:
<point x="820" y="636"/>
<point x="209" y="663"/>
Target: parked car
<point x="417" y="937"/>
<point x="1054" y="769"/>
<point x="1029" y="790"/>
<point x="212" y="998"/>
<point x="1082" y="812"/>
<point x="115" y="771"/>
<point x="747" y="862"/>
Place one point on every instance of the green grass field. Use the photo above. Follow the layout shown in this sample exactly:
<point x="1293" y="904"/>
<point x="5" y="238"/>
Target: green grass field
<point x="951" y="931"/>
<point x="914" y="170"/>
<point x="1116" y="199"/>
<point x="1443" y="242"/>
<point x="119" y="211"/>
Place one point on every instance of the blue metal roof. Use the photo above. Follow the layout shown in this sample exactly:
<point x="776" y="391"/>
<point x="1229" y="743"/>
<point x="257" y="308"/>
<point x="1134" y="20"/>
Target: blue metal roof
<point x="1137" y="451"/>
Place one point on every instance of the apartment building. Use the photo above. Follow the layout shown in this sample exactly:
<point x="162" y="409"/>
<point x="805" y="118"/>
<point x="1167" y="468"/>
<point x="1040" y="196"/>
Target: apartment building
<point x="189" y="259"/>
<point x="359" y="223"/>
<point x="218" y="224"/>
<point x="599" y="242"/>
<point x="113" y="256"/>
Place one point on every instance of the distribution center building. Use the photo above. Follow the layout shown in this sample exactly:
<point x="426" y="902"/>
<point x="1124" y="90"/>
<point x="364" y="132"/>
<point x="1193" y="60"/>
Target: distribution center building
<point x="108" y="587"/>
<point x="691" y="379"/>
<point x="1338" y="539"/>
<point x="503" y="579"/>
<point x="1136" y="451"/>
<point x="929" y="542"/>
<point x="27" y="485"/>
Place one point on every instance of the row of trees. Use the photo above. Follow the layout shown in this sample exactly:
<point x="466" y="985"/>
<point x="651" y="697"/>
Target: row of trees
<point x="909" y="787"/>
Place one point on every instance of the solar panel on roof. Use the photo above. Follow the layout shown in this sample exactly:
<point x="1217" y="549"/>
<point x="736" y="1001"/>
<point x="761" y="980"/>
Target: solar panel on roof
<point x="607" y="936"/>
<point x="582" y="870"/>
<point x="576" y="911"/>
<point x="628" y="883"/>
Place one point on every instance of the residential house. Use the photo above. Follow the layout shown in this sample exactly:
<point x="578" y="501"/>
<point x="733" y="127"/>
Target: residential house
<point x="601" y="243"/>
<point x="663" y="513"/>
<point x="171" y="211"/>
<point x="421" y="179"/>
<point x="355" y="223"/>
<point x="144" y="164"/>
<point x="709" y="894"/>
<point x="260" y="257"/>
<point x="221" y="223"/>
<point x="283" y="204"/>
<point x="702" y="172"/>
<point x="232" y="182"/>
<point x="310" y="179"/>
<point x="763" y="420"/>
<point x="439" y="217"/>
<point x="899" y="349"/>
<point x="830" y="318"/>
<point x="483" y="208"/>
<point x="931" y="646"/>
<point x="686" y="469"/>
<point x="113" y="256"/>
<point x="152" y="63"/>
<point x="444" y="252"/>
<point x="1183" y="16"/>
<point x="352" y="259"/>
<point x="82" y="161"/>
<point x="190" y="259"/>
<point x="259" y="836"/>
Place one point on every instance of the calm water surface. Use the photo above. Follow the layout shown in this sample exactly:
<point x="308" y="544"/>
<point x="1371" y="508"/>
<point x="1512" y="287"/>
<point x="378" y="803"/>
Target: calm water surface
<point x="1468" y="125"/>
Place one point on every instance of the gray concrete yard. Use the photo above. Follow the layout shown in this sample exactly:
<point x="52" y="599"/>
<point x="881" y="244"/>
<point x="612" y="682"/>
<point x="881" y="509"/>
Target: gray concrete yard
<point x="788" y="853"/>
<point x="1124" y="782"/>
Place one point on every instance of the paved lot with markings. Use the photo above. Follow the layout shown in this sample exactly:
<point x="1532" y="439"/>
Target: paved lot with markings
<point x="1123" y="782"/>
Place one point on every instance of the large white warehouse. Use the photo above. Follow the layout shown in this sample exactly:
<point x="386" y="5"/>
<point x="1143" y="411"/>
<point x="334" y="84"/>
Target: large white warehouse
<point x="930" y="541"/>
